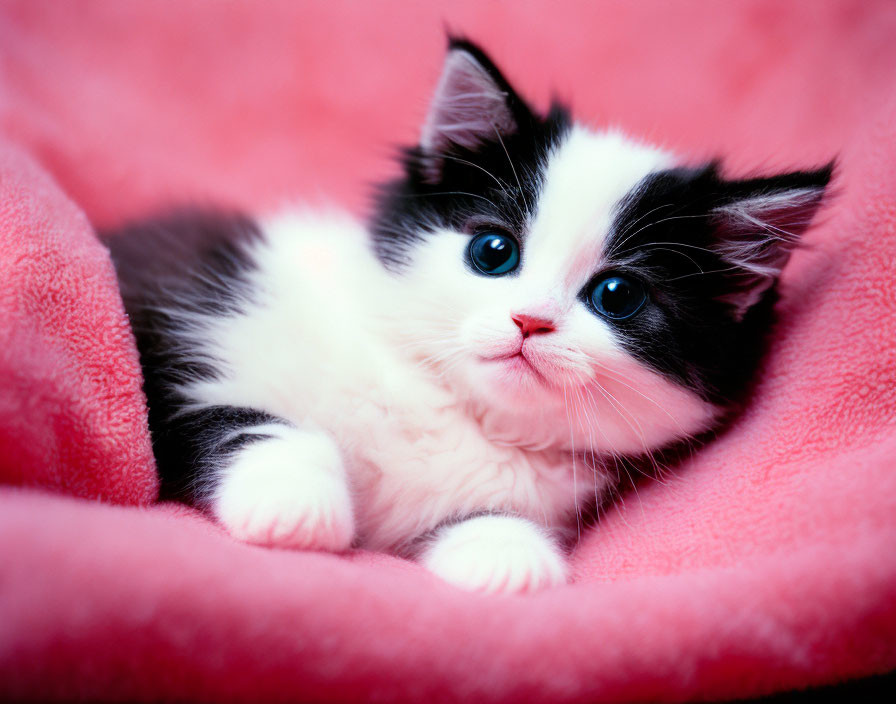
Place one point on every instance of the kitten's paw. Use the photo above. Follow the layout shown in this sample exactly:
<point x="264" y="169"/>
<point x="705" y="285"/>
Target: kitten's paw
<point x="287" y="491"/>
<point x="496" y="554"/>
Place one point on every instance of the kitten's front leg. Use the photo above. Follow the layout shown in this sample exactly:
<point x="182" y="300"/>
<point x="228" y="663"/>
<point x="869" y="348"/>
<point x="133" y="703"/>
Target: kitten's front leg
<point x="284" y="487"/>
<point x="496" y="553"/>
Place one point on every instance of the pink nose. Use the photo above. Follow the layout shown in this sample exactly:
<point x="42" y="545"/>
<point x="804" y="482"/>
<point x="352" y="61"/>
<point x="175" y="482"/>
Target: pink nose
<point x="532" y="324"/>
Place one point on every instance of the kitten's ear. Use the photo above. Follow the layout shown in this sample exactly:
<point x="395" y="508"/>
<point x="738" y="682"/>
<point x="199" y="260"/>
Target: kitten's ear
<point x="473" y="103"/>
<point x="758" y="226"/>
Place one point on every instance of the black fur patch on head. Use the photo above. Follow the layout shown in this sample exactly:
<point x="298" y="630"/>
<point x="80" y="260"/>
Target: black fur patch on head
<point x="709" y="251"/>
<point x="492" y="183"/>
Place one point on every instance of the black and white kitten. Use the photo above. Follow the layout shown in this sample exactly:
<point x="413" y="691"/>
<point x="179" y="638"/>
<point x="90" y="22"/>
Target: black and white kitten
<point x="531" y="299"/>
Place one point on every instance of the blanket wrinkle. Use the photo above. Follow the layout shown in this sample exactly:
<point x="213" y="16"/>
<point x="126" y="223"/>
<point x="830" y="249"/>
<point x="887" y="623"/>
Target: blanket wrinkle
<point x="763" y="563"/>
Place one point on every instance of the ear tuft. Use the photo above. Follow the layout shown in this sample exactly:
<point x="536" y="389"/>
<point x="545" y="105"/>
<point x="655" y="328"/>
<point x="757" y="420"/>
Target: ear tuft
<point x="472" y="103"/>
<point x="760" y="224"/>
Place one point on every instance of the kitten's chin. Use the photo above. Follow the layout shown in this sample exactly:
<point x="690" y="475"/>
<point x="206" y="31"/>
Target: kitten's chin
<point x="509" y="381"/>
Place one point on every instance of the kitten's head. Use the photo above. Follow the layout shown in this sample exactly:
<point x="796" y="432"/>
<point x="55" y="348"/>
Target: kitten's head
<point x="579" y="288"/>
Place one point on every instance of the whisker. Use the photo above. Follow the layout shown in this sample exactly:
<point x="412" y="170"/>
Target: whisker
<point x="682" y="254"/>
<point x="513" y="169"/>
<point x="630" y="226"/>
<point x="705" y="273"/>
<point x="628" y="234"/>
<point x="501" y="184"/>
<point x="451" y="193"/>
<point x="588" y="427"/>
<point x="613" y="454"/>
<point x="616" y="252"/>
<point x="619" y="407"/>
<point x="620" y="379"/>
<point x="572" y="445"/>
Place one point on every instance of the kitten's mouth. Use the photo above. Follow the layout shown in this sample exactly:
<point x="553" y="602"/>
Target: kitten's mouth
<point x="517" y="362"/>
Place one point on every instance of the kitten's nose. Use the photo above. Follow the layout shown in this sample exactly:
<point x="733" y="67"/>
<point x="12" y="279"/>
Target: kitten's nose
<point x="532" y="324"/>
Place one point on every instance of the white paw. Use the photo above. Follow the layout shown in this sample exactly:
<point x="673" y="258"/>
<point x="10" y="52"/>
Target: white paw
<point x="287" y="491"/>
<point x="496" y="554"/>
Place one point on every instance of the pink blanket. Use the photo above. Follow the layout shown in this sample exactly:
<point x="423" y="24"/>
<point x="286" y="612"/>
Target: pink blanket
<point x="766" y="562"/>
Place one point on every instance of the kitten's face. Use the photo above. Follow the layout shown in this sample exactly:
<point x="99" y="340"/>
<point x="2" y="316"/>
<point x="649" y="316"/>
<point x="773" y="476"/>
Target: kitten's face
<point x="575" y="286"/>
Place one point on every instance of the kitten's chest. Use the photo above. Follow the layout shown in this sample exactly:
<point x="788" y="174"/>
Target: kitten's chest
<point x="417" y="459"/>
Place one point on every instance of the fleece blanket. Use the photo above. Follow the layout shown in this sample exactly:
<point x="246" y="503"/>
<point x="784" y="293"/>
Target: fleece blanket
<point x="766" y="562"/>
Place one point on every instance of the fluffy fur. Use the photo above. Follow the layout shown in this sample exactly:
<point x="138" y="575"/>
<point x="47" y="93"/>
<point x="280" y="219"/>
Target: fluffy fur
<point x="319" y="383"/>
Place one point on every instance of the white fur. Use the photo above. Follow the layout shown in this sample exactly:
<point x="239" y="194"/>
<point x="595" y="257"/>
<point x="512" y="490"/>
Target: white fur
<point x="403" y="373"/>
<point x="288" y="490"/>
<point x="496" y="554"/>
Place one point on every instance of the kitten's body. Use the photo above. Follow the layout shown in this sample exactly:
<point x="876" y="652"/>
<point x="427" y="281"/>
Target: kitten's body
<point x="318" y="387"/>
<point x="415" y="453"/>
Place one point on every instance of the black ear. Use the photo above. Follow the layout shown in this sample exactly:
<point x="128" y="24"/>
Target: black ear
<point x="757" y="226"/>
<point x="473" y="103"/>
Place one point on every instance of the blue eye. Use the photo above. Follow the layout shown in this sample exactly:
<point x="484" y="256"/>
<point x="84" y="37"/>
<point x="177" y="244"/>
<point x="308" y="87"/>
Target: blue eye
<point x="617" y="297"/>
<point x="494" y="253"/>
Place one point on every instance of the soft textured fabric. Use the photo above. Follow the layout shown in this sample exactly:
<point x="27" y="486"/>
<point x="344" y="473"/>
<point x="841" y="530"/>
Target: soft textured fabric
<point x="71" y="413"/>
<point x="765" y="562"/>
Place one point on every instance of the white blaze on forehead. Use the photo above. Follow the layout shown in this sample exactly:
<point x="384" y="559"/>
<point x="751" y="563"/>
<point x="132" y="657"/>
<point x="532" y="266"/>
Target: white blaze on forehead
<point x="586" y="177"/>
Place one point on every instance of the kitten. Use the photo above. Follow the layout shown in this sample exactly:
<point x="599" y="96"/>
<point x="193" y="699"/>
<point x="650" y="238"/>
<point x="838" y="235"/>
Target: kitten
<point x="449" y="382"/>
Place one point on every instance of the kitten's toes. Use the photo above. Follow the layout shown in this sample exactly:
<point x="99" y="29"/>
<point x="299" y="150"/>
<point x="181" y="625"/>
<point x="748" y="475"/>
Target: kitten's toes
<point x="496" y="554"/>
<point x="287" y="491"/>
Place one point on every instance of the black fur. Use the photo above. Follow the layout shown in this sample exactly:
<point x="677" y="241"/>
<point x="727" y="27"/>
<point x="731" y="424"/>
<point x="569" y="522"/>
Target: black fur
<point x="666" y="234"/>
<point x="194" y="261"/>
<point x="496" y="184"/>
<point x="189" y="446"/>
